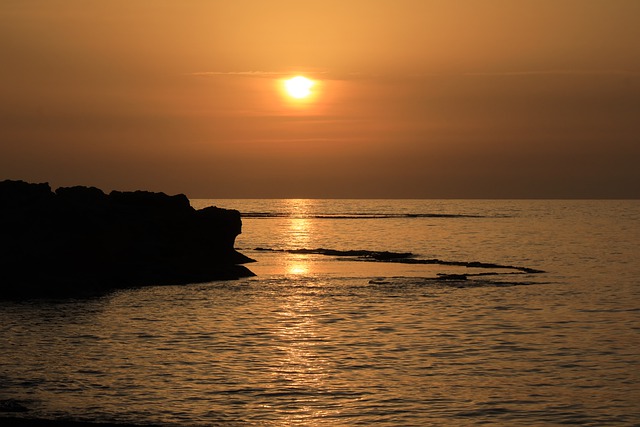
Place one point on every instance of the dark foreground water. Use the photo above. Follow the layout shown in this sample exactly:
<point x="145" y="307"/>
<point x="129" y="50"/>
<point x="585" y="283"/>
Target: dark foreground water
<point x="536" y="321"/>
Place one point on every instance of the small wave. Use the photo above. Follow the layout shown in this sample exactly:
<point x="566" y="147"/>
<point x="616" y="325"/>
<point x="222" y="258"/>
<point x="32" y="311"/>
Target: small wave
<point x="399" y="257"/>
<point x="353" y="216"/>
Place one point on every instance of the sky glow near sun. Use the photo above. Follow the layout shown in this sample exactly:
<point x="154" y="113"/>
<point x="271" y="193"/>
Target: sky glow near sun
<point x="528" y="98"/>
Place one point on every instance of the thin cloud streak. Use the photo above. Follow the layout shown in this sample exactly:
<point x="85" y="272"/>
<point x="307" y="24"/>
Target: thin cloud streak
<point x="327" y="75"/>
<point x="559" y="73"/>
<point x="239" y="73"/>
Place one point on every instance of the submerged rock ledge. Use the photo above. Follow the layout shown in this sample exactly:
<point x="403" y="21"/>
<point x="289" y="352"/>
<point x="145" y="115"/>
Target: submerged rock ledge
<point x="79" y="240"/>
<point x="399" y="258"/>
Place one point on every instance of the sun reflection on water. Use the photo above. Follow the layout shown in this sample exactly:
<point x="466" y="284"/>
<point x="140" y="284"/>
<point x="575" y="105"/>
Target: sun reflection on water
<point x="301" y="233"/>
<point x="302" y="371"/>
<point x="297" y="267"/>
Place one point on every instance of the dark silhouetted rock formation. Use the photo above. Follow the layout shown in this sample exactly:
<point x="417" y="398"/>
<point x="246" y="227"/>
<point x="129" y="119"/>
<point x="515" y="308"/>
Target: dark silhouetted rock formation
<point x="80" y="240"/>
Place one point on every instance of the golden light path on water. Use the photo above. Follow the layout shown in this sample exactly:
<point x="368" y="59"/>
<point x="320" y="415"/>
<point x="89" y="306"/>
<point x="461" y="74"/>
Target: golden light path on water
<point x="301" y="232"/>
<point x="302" y="367"/>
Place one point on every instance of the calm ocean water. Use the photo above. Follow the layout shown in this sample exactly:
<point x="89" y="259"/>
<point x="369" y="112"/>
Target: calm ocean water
<point x="536" y="321"/>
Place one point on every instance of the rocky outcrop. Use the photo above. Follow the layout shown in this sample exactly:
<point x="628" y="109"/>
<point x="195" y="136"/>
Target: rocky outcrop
<point x="79" y="240"/>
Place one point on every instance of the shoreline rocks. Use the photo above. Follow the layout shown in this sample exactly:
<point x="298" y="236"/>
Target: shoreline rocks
<point x="79" y="240"/>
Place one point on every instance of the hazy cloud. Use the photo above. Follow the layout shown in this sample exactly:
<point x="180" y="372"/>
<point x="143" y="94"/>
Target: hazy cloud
<point x="560" y="73"/>
<point x="326" y="75"/>
<point x="238" y="73"/>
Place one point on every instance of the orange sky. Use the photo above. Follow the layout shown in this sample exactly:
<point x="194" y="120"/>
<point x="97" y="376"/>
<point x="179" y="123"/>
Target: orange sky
<point x="414" y="98"/>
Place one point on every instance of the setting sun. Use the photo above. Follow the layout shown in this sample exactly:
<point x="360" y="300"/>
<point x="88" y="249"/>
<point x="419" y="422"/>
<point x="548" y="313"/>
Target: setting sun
<point x="299" y="87"/>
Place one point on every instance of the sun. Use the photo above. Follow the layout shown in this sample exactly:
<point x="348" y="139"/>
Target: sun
<point x="298" y="87"/>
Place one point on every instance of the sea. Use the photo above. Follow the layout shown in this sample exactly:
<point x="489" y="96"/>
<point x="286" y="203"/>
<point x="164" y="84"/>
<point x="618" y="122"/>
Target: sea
<point x="361" y="313"/>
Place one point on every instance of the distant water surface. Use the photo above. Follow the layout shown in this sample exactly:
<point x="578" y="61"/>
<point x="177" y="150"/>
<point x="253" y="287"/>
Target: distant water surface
<point x="363" y="312"/>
